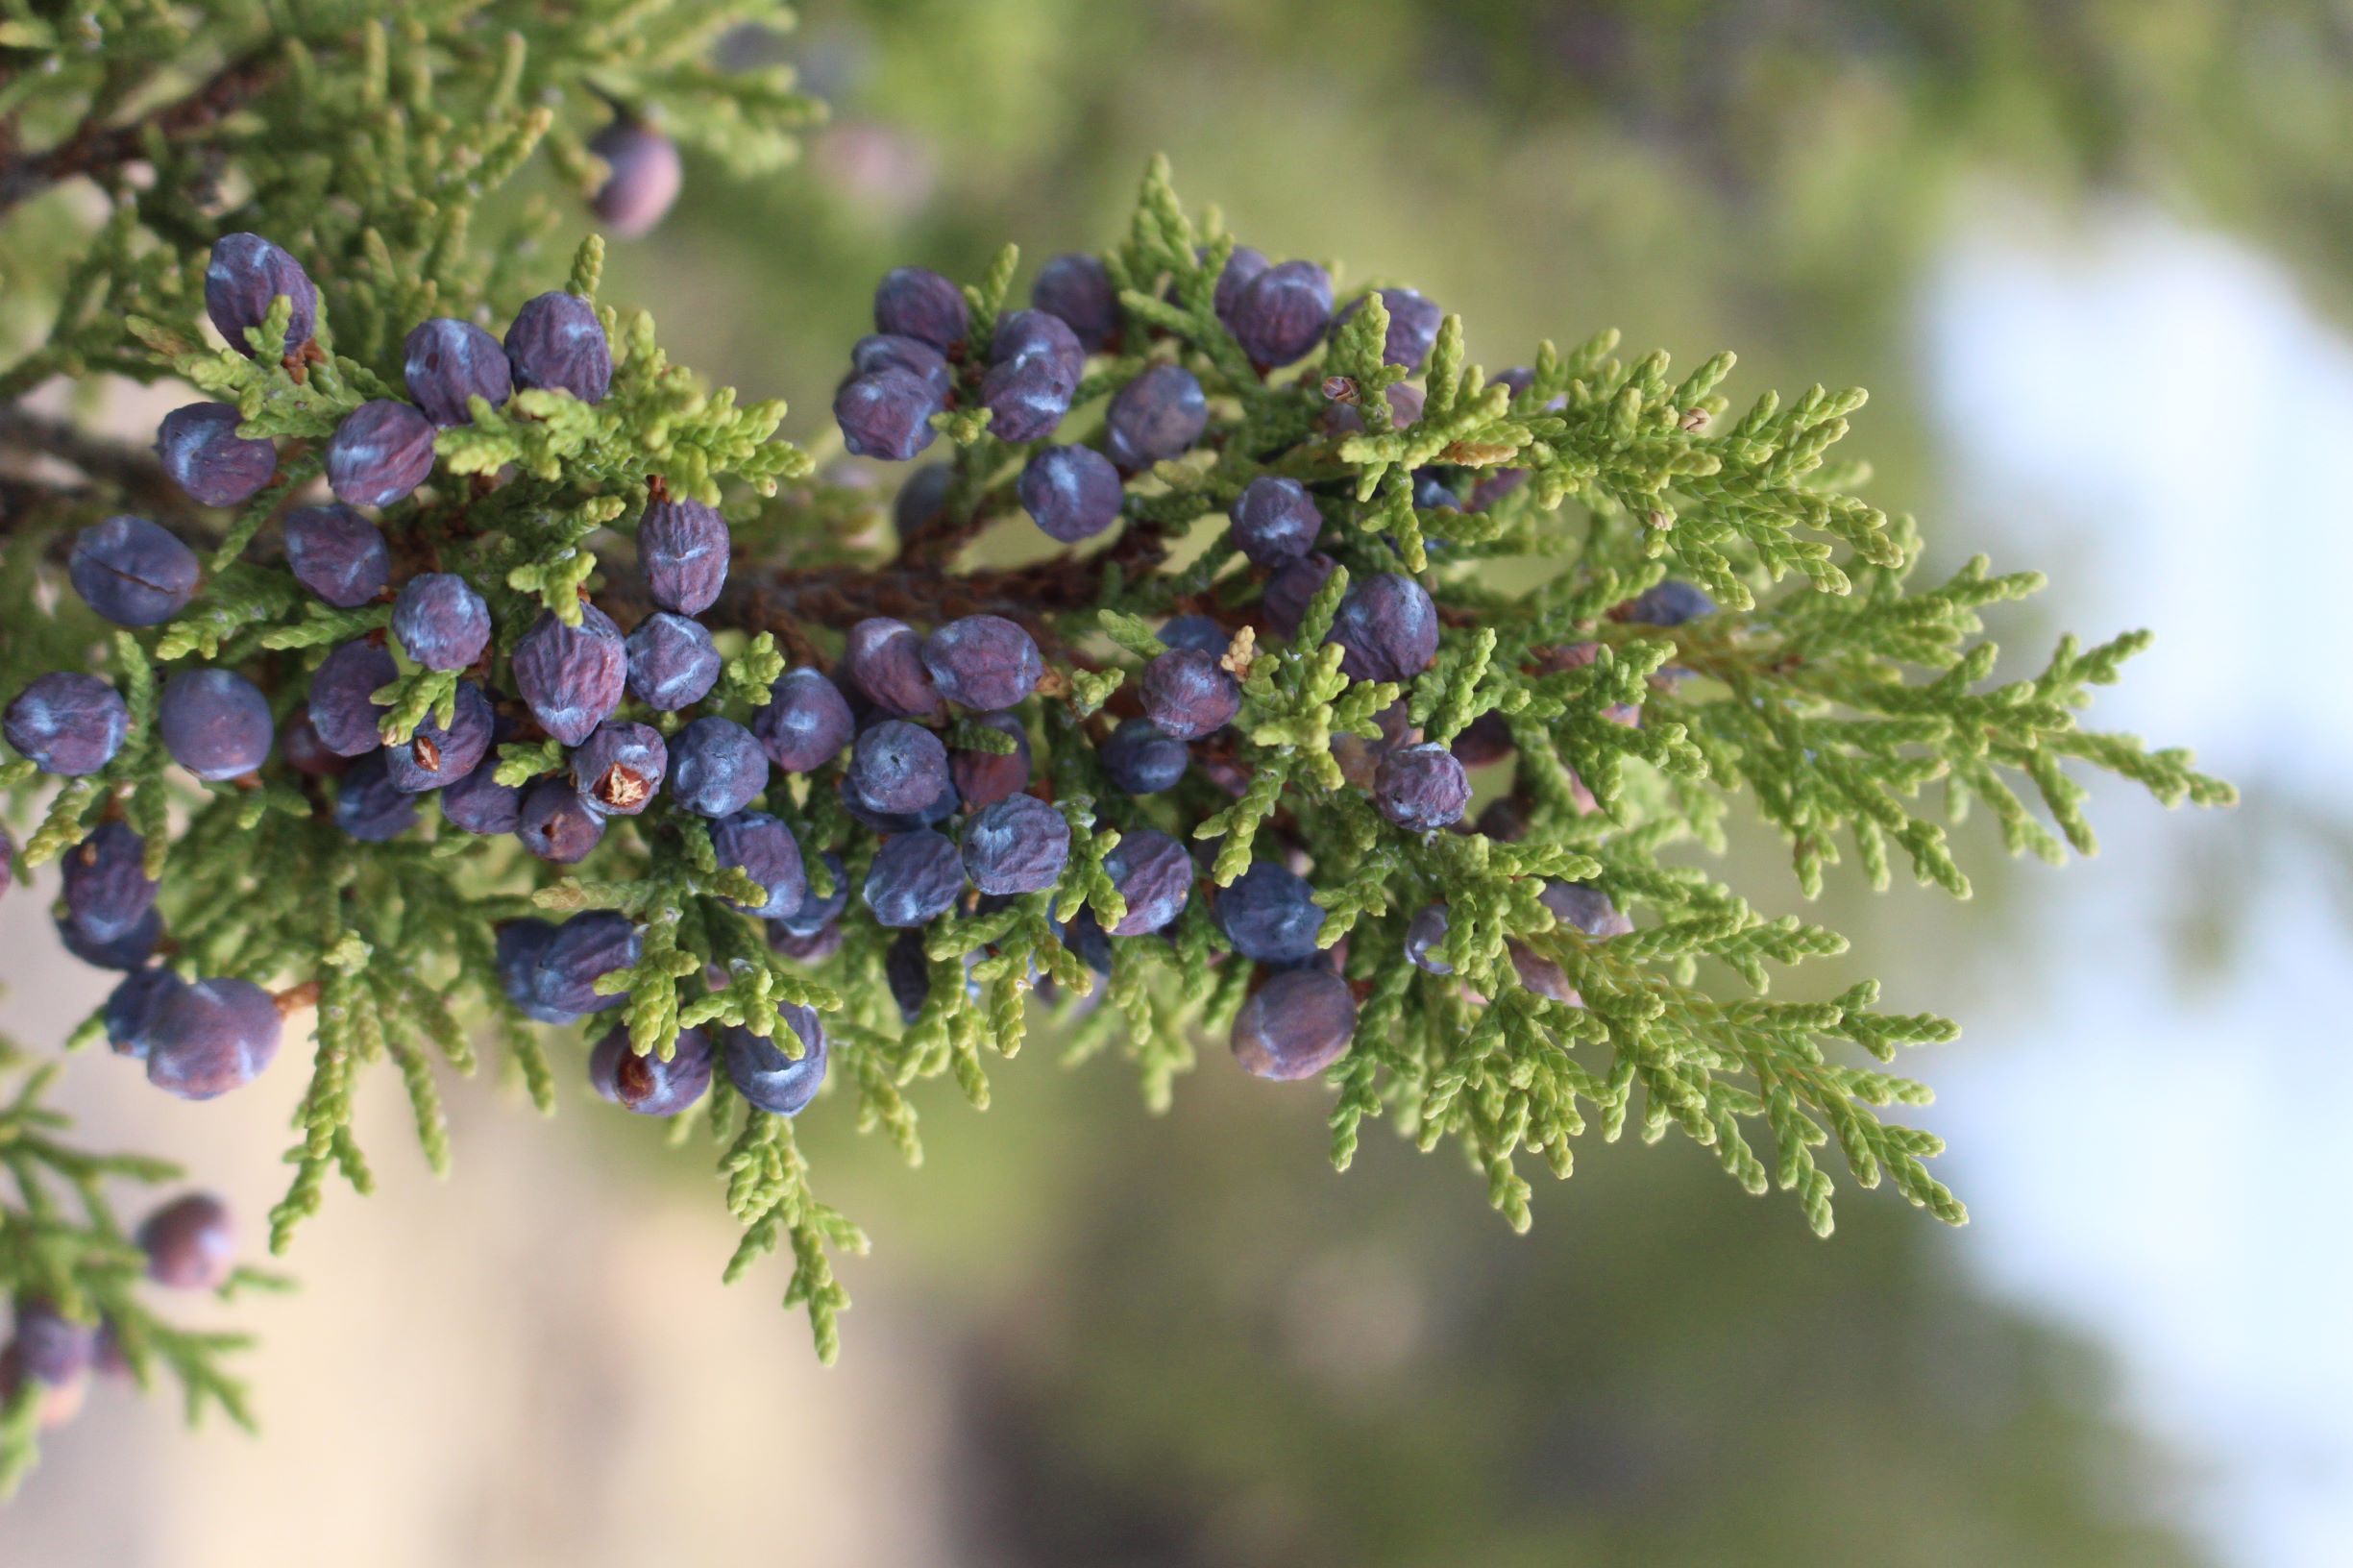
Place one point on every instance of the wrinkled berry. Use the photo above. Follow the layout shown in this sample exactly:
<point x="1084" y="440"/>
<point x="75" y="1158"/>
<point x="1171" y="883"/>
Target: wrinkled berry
<point x="1389" y="627"/>
<point x="555" y="823"/>
<point x="1293" y="586"/>
<point x="337" y="554"/>
<point x="1421" y="787"/>
<point x="1282" y="314"/>
<point x="66" y="722"/>
<point x="764" y="848"/>
<point x="921" y="502"/>
<point x="914" y="302"/>
<point x="916" y="878"/>
<point x="886" y="350"/>
<point x="1143" y="758"/>
<point x="1424" y="933"/>
<point x="767" y="1078"/>
<point x="1155" y="874"/>
<point x="1270" y="914"/>
<point x="1198" y="632"/>
<point x="1019" y="845"/>
<point x="370" y="805"/>
<point x="1669" y="604"/>
<point x="214" y="722"/>
<point x="211" y="1036"/>
<point x="646" y="1084"/>
<point x="1077" y="288"/>
<point x="131" y="1009"/>
<point x="1071" y="493"/>
<point x="1189" y="694"/>
<point x="716" y="767"/>
<point x="814" y="914"/>
<point x="641" y="179"/>
<point x="590" y="944"/>
<point x="1586" y="908"/>
<point x="557" y="344"/>
<point x="435" y="757"/>
<point x="671" y="661"/>
<point x="106" y="886"/>
<point x="245" y="273"/>
<point x="132" y="572"/>
<point x="884" y="660"/>
<point x="1413" y="325"/>
<point x="381" y="452"/>
<point x="1295" y="1025"/>
<point x="898" y="767"/>
<point x="478" y="803"/>
<point x="618" y="768"/>
<point x="983" y="778"/>
<point x="806" y="722"/>
<point x="205" y="456"/>
<point x="441" y="621"/>
<point x="126" y="952"/>
<point x="518" y="946"/>
<point x="449" y="361"/>
<point x="571" y="677"/>
<point x="190" y="1242"/>
<point x="1026" y="398"/>
<point x="683" y="549"/>
<point x="1156" y="416"/>
<point x="886" y="415"/>
<point x="349" y="723"/>
<point x="984" y="662"/>
<point x="1275" y="521"/>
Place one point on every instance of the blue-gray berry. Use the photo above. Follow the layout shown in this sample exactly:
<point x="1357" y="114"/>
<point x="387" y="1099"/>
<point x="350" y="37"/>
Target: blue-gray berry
<point x="437" y="756"/>
<point x="1071" y="493"/>
<point x="780" y="1085"/>
<point x="586" y="947"/>
<point x="66" y="722"/>
<point x="339" y="554"/>
<point x="683" y="549"/>
<point x="1198" y="632"/>
<point x="478" y="803"/>
<point x="245" y="273"/>
<point x="671" y="661"/>
<point x="379" y="454"/>
<point x="806" y="722"/>
<point x="886" y="414"/>
<point x="915" y="878"/>
<point x="1669" y="604"/>
<point x="914" y="302"/>
<point x="982" y="778"/>
<point x="1586" y="908"/>
<point x="1282" y="313"/>
<point x="1270" y="914"/>
<point x="348" y="720"/>
<point x="1421" y="787"/>
<point x="126" y="952"/>
<point x="448" y="361"/>
<point x="554" y="824"/>
<point x="1189" y="694"/>
<point x="619" y="767"/>
<point x="131" y="1008"/>
<point x="763" y="848"/>
<point x="571" y="677"/>
<point x="1143" y="758"/>
<point x="132" y="572"/>
<point x="1424" y="933"/>
<point x="106" y="886"/>
<point x="370" y="805"/>
<point x="716" y="767"/>
<point x="211" y="1036"/>
<point x="647" y="1084"/>
<point x="884" y="660"/>
<point x="1019" y="845"/>
<point x="205" y="456"/>
<point x="190" y="1242"/>
<point x="985" y="662"/>
<point x="814" y="914"/>
<point x="1413" y="325"/>
<point x="214" y="722"/>
<point x="518" y="946"/>
<point x="441" y="621"/>
<point x="1077" y="288"/>
<point x="888" y="351"/>
<point x="1155" y="874"/>
<point x="1293" y="586"/>
<point x="1156" y="416"/>
<point x="557" y="344"/>
<point x="898" y="767"/>
<point x="1275" y="521"/>
<point x="1389" y="627"/>
<point x="1295" y="1025"/>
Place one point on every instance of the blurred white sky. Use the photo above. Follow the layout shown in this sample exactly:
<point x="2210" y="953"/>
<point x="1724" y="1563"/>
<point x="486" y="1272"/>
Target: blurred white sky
<point x="2158" y="1162"/>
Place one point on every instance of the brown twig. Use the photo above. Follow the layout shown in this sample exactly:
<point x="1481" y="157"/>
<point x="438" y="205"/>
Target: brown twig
<point x="97" y="147"/>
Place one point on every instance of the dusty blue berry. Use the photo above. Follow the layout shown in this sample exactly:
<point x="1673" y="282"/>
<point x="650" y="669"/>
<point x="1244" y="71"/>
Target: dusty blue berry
<point x="132" y="572"/>
<point x="1086" y="937"/>
<point x="434" y="757"/>
<point x="380" y="453"/>
<point x="519" y="944"/>
<point x="671" y="661"/>
<point x="556" y="344"/>
<point x="683" y="549"/>
<point x="1071" y="493"/>
<point x="1198" y="632"/>
<point x="985" y="662"/>
<point x="915" y="878"/>
<point x="1026" y="398"/>
<point x="1189" y="694"/>
<point x="554" y="824"/>
<point x="1282" y="314"/>
<point x="214" y="722"/>
<point x="646" y="1084"/>
<point x="478" y="803"/>
<point x="1669" y="604"/>
<point x="211" y="1036"/>
<point x="49" y="1346"/>
<point x="441" y="621"/>
<point x="126" y="952"/>
<point x="939" y="809"/>
<point x="763" y="848"/>
<point x="886" y="414"/>
<point x="586" y="947"/>
<point x="1155" y="874"/>
<point x="348" y="720"/>
<point x="205" y="456"/>
<point x="813" y="914"/>
<point x="1424" y="933"/>
<point x="641" y="179"/>
<point x="884" y="660"/>
<point x="1586" y="908"/>
<point x="898" y="767"/>
<point x="1295" y="1025"/>
<point x="1019" y="845"/>
<point x="886" y="350"/>
<point x="806" y="722"/>
<point x="618" y="768"/>
<point x="1077" y="288"/>
<point x="106" y="885"/>
<point x="1293" y="586"/>
<point x="131" y="1008"/>
<point x="449" y="361"/>
<point x="245" y="273"/>
<point x="1270" y="914"/>
<point x="1389" y="627"/>
<point x="780" y="1085"/>
<point x="190" y="1242"/>
<point x="337" y="554"/>
<point x="716" y="767"/>
<point x="1244" y="266"/>
<point x="66" y="722"/>
<point x="1156" y="416"/>
<point x="571" y="677"/>
<point x="1143" y="758"/>
<point x="914" y="302"/>
<point x="982" y="778"/>
<point x="370" y="805"/>
<point x="1275" y="521"/>
<point x="1413" y="325"/>
<point x="1421" y="787"/>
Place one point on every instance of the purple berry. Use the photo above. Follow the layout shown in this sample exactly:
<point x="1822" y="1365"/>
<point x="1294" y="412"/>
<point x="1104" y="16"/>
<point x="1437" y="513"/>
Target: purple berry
<point x="1084" y="936"/>
<point x="906" y="969"/>
<point x="672" y="662"/>
<point x="816" y="948"/>
<point x="554" y="824"/>
<point x="983" y="778"/>
<point x="450" y="361"/>
<point x="589" y="945"/>
<point x="571" y="677"/>
<point x="126" y="952"/>
<point x="1275" y="521"/>
<point x="921" y="502"/>
<point x="1293" y="586"/>
<point x="557" y="344"/>
<point x="1198" y="632"/>
<point x="1586" y="908"/>
<point x="190" y="1242"/>
<point x="716" y="767"/>
<point x="49" y="1346"/>
<point x="1189" y="694"/>
<point x="814" y="914"/>
<point x="8" y="860"/>
<point x="1270" y="915"/>
<point x="618" y="768"/>
<point x="1026" y="398"/>
<point x="132" y="572"/>
<point x="348" y="720"/>
<point x="1040" y="336"/>
<point x="1485" y="739"/>
<point x="1424" y="933"/>
<point x="884" y="660"/>
<point x="1389" y="627"/>
<point x="1155" y="874"/>
<point x="337" y="554"/>
<point x="435" y="757"/>
<point x="1072" y="492"/>
<point x="940" y="809"/>
<point x="1413" y="325"/>
<point x="884" y="351"/>
<point x="215" y="723"/>
<point x="1540" y="974"/>
<point x="1421" y="787"/>
<point x="764" y="848"/>
<point x="1282" y="313"/>
<point x="1078" y="289"/>
<point x="211" y="1036"/>
<point x="916" y="878"/>
<point x="299" y="743"/>
<point x="520" y="945"/>
<point x="106" y="888"/>
<point x="898" y="767"/>
<point x="1669" y="604"/>
<point x="381" y="452"/>
<point x="916" y="303"/>
<point x="131" y="1009"/>
<point x="1243" y="267"/>
<point x="478" y="803"/>
<point x="683" y="549"/>
<point x="370" y="805"/>
<point x="646" y="1084"/>
<point x="984" y="662"/>
<point x="886" y="415"/>
<point x="780" y="1085"/>
<point x="1405" y="404"/>
<point x="1156" y="416"/>
<point x="205" y="456"/>
<point x="1143" y="758"/>
<point x="441" y="621"/>
<point x="1019" y="845"/>
<point x="244" y="276"/>
<point x="1295" y="1025"/>
<point x="66" y="722"/>
<point x="643" y="177"/>
<point x="806" y="722"/>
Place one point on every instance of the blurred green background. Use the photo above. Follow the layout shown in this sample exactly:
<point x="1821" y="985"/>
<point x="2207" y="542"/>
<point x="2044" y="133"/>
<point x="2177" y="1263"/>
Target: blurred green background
<point x="1092" y="1337"/>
